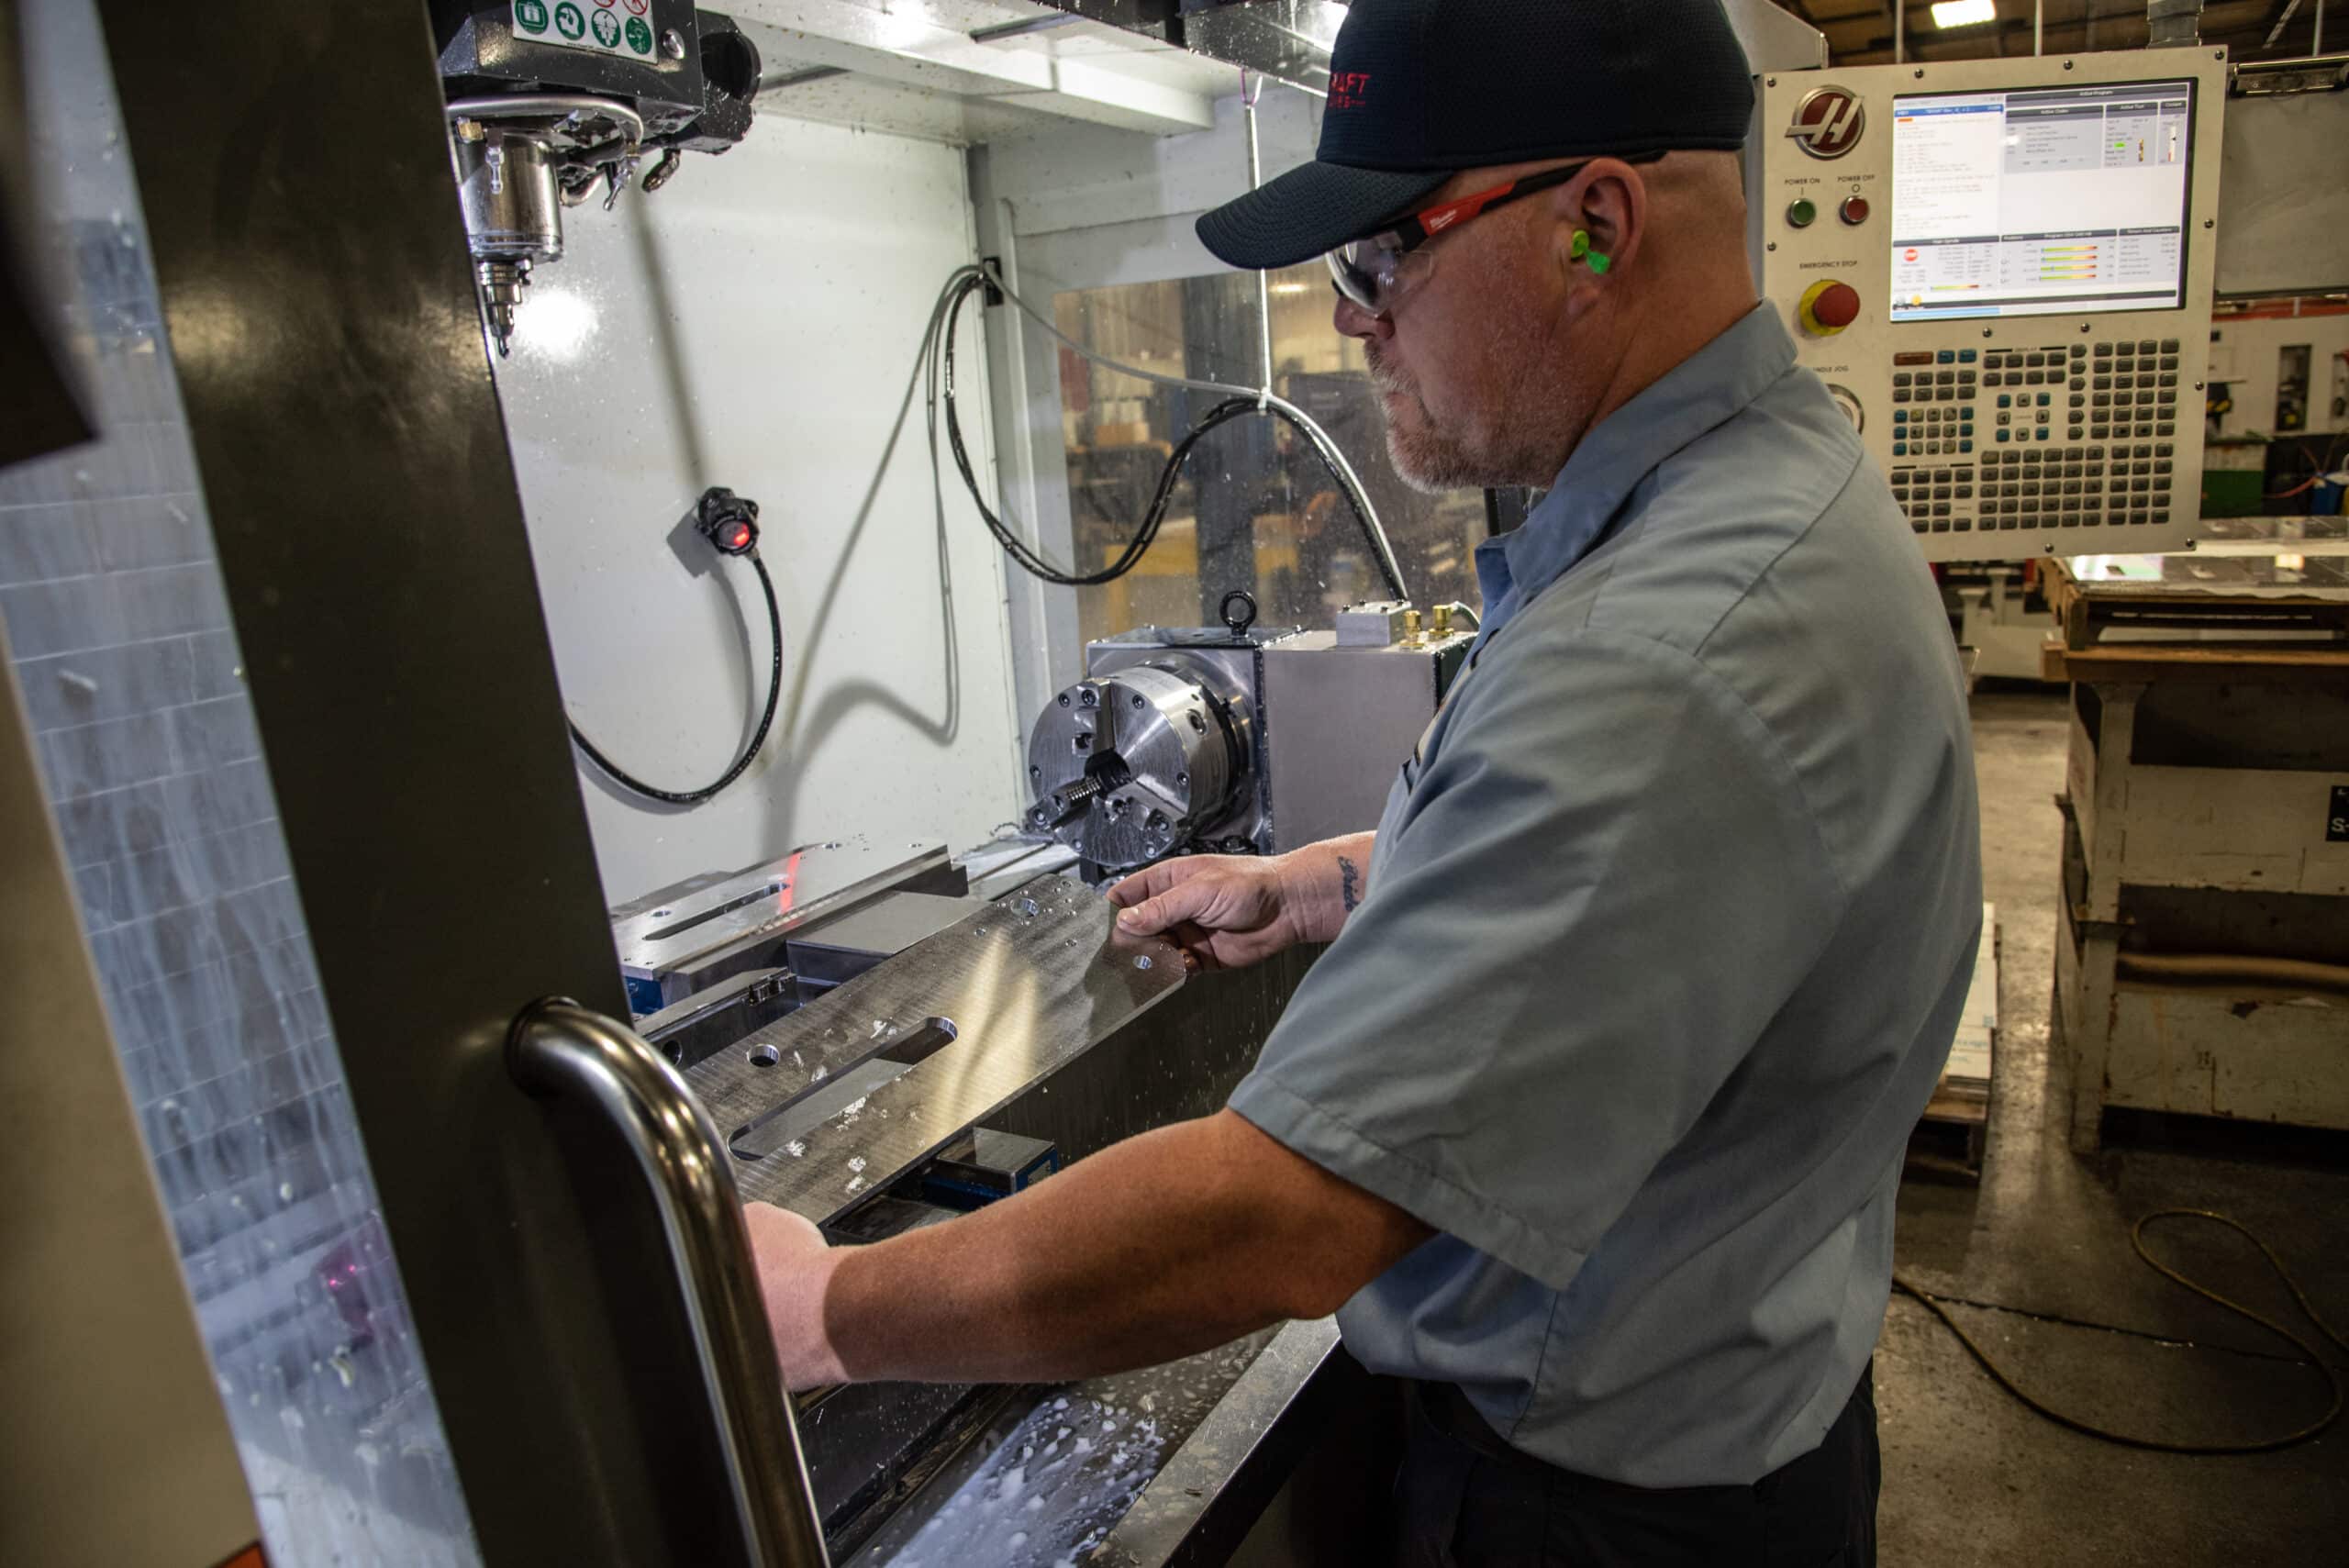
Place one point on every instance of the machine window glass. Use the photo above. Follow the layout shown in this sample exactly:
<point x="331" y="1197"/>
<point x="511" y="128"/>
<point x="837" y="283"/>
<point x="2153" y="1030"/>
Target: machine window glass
<point x="118" y="624"/>
<point x="1254" y="508"/>
<point x="2041" y="202"/>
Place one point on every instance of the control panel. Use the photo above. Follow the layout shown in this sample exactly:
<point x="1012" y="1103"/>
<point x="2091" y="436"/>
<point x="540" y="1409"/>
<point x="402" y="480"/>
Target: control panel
<point x="2002" y="270"/>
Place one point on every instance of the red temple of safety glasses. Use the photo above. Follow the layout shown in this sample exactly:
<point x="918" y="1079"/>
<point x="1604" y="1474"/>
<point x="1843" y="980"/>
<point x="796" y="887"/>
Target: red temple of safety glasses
<point x="1423" y="226"/>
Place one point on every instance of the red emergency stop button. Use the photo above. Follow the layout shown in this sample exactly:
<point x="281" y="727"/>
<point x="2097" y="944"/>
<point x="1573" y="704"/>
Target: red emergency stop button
<point x="1855" y="209"/>
<point x="1828" y="307"/>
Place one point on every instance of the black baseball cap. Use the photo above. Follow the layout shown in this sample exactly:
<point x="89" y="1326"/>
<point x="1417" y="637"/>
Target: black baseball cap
<point x="1422" y="89"/>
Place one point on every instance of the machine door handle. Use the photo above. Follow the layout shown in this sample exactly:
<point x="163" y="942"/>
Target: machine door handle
<point x="559" y="1049"/>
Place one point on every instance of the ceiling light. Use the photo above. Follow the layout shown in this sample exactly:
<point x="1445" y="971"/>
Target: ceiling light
<point x="1963" y="13"/>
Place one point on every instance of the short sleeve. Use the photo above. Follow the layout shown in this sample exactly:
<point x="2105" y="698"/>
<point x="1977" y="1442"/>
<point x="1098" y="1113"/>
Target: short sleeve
<point x="1603" y="886"/>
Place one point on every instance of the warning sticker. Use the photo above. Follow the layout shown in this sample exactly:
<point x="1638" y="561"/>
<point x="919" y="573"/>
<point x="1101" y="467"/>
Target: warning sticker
<point x="606" y="27"/>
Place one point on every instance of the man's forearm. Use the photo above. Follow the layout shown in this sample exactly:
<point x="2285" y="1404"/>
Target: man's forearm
<point x="1166" y="1244"/>
<point x="1323" y="883"/>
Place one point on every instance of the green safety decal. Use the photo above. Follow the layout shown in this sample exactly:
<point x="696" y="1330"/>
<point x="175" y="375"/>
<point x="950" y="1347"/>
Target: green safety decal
<point x="606" y="27"/>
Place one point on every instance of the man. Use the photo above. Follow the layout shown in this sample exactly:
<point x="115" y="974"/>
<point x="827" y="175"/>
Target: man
<point x="1590" y="1120"/>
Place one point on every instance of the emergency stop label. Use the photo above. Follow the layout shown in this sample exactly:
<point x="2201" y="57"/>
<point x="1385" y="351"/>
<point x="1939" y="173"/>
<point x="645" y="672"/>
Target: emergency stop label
<point x="607" y="27"/>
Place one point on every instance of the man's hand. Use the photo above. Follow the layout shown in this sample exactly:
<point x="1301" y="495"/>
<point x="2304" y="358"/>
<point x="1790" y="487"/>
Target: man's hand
<point x="1229" y="911"/>
<point x="794" y="1266"/>
<point x="1226" y="911"/>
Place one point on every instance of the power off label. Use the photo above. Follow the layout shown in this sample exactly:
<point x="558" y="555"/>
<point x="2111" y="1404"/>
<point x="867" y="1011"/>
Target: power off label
<point x="607" y="27"/>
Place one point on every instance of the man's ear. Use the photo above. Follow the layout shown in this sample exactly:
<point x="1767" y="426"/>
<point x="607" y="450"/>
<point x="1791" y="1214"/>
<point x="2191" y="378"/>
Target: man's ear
<point x="1609" y="201"/>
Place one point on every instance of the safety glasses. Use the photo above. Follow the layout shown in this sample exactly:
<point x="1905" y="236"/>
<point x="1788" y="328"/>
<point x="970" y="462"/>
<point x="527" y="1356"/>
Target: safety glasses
<point x="1377" y="272"/>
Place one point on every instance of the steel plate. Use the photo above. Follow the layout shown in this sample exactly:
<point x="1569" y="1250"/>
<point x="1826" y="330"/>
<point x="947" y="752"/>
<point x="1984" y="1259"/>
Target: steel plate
<point x="1028" y="984"/>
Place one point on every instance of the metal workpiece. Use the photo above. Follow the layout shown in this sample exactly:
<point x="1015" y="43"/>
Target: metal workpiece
<point x="985" y="1011"/>
<point x="557" y="1048"/>
<point x="839" y="949"/>
<point x="1129" y="764"/>
<point x="688" y="937"/>
<point x="1020" y="991"/>
<point x="709" y="1020"/>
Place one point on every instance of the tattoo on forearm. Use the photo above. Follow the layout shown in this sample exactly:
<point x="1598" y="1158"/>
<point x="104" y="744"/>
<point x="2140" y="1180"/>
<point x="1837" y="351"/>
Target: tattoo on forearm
<point x="1349" y="884"/>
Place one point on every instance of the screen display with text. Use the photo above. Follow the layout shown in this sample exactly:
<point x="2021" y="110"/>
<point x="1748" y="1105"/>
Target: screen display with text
<point x="2049" y="201"/>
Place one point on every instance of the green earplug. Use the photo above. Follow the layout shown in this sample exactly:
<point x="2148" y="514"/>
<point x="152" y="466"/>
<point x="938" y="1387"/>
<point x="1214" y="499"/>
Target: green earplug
<point x="1579" y="249"/>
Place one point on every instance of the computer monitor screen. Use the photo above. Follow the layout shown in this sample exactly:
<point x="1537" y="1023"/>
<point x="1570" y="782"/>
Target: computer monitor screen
<point x="2051" y="201"/>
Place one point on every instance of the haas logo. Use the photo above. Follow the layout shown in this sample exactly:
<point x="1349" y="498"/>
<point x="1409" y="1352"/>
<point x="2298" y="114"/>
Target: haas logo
<point x="1828" y="122"/>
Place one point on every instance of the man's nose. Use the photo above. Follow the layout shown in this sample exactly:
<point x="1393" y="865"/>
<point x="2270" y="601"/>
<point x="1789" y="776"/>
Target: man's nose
<point x="1353" y="321"/>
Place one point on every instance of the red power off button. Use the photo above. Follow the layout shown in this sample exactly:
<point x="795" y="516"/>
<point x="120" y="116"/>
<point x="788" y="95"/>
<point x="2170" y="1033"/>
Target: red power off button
<point x="1855" y="209"/>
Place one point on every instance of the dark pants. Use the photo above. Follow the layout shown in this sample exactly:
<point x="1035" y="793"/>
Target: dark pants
<point x="1468" y="1501"/>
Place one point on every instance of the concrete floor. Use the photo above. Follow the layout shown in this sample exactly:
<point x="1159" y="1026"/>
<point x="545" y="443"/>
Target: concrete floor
<point x="2042" y="1252"/>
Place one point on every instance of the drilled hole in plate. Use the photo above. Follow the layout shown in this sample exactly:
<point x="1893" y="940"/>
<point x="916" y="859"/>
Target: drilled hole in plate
<point x="762" y="1055"/>
<point x="818" y="1102"/>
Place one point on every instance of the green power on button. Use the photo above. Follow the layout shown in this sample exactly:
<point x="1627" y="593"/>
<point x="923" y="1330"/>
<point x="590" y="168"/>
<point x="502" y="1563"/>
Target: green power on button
<point x="1802" y="213"/>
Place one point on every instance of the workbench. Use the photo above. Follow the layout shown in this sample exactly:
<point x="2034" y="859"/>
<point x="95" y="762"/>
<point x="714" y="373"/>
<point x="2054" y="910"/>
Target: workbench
<point x="2203" y="965"/>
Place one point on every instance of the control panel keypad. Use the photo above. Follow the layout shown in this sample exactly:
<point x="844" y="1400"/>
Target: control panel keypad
<point x="2075" y="435"/>
<point x="2114" y="485"/>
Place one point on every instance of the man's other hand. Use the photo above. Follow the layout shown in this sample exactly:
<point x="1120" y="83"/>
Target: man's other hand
<point x="1225" y="911"/>
<point x="1229" y="911"/>
<point x="794" y="1265"/>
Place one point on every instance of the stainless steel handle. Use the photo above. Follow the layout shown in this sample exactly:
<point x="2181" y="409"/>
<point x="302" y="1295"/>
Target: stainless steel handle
<point x="559" y="1049"/>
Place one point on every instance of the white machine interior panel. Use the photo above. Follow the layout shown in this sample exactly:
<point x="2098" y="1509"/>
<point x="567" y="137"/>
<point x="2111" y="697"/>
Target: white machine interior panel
<point x="2002" y="268"/>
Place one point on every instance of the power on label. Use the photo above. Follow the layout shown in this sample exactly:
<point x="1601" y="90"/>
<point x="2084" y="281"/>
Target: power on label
<point x="606" y="27"/>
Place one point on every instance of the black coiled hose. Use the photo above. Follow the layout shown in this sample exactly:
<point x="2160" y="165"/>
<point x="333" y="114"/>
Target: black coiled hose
<point x="758" y="738"/>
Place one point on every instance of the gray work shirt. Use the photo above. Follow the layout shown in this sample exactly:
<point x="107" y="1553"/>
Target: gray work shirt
<point x="1668" y="928"/>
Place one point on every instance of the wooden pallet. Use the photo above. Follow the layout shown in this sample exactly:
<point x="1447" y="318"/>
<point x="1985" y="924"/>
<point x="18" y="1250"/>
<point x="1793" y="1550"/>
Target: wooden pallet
<point x="1948" y="1140"/>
